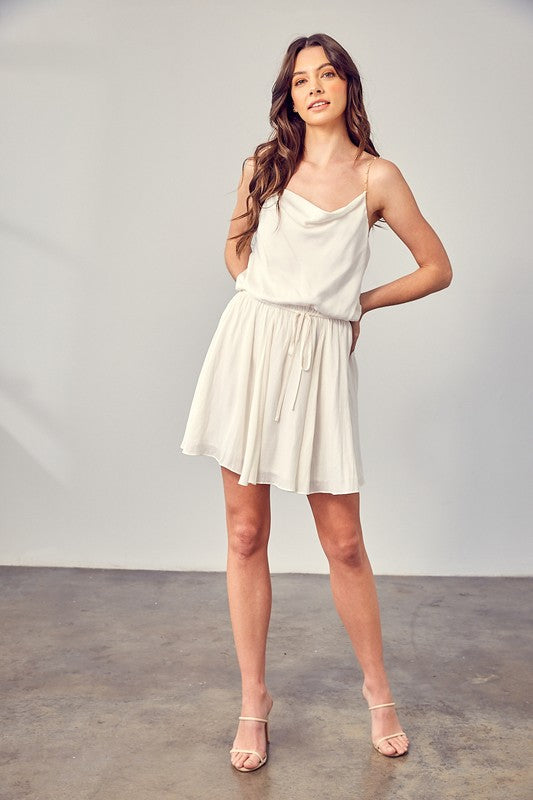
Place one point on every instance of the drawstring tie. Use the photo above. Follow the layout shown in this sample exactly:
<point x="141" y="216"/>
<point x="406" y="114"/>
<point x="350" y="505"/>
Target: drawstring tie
<point x="302" y="326"/>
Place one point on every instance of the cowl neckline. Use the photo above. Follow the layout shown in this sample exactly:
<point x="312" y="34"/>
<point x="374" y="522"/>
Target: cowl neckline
<point x="335" y="211"/>
<point x="307" y="213"/>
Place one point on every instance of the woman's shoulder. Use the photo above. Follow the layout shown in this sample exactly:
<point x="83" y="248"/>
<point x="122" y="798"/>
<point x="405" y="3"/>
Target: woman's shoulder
<point x="247" y="170"/>
<point x="385" y="169"/>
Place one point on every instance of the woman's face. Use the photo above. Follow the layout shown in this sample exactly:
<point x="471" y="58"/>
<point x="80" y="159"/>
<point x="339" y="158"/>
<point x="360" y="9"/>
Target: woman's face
<point x="316" y="80"/>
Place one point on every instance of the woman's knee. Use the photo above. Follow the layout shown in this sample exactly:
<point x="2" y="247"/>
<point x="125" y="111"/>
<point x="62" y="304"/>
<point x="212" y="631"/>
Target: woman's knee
<point x="247" y="537"/>
<point x="348" y="549"/>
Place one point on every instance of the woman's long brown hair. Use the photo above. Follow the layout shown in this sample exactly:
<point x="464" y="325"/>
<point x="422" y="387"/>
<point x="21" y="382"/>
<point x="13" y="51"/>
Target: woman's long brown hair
<point x="276" y="160"/>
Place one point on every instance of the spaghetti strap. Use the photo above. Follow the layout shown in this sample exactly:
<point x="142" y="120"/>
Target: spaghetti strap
<point x="368" y="170"/>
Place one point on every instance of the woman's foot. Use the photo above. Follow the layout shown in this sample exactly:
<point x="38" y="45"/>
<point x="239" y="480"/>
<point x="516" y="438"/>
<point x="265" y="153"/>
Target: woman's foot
<point x="251" y="735"/>
<point x="385" y="720"/>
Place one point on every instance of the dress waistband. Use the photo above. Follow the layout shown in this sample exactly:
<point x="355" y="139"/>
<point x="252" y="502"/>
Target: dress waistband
<point x="303" y="307"/>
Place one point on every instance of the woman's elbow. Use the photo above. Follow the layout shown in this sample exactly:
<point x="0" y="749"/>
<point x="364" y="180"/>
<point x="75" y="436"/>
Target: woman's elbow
<point x="447" y="277"/>
<point x="443" y="275"/>
<point x="443" y="278"/>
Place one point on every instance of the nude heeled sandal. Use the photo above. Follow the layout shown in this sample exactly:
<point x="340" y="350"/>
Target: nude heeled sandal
<point x="262" y="759"/>
<point x="390" y="736"/>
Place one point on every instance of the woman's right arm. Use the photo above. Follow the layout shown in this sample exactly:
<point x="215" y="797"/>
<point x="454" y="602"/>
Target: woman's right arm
<point x="235" y="263"/>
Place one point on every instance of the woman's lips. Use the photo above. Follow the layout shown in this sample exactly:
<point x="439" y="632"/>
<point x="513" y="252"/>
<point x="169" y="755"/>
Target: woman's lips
<point x="319" y="108"/>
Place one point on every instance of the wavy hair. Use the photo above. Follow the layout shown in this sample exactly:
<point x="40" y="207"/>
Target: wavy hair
<point x="276" y="160"/>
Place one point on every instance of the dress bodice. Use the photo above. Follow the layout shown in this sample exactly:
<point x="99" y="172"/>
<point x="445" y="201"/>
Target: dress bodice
<point x="308" y="255"/>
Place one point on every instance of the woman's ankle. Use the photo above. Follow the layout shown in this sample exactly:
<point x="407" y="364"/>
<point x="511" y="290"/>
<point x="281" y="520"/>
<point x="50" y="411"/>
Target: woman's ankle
<point x="376" y="684"/>
<point x="255" y="695"/>
<point x="254" y="690"/>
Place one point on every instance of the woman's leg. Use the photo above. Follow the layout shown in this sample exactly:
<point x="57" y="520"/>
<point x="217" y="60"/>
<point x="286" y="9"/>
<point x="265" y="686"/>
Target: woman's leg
<point x="250" y="603"/>
<point x="354" y="592"/>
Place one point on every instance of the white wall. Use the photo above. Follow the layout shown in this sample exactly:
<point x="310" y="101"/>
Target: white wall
<point x="124" y="125"/>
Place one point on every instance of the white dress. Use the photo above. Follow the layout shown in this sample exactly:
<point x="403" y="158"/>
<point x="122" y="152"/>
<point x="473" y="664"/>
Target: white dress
<point x="276" y="396"/>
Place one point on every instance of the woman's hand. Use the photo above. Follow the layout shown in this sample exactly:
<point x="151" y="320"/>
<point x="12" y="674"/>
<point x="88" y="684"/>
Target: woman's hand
<point x="356" y="327"/>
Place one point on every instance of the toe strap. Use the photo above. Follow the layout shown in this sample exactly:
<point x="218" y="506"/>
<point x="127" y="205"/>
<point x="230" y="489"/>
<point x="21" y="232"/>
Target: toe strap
<point x="240" y="750"/>
<point x="390" y="736"/>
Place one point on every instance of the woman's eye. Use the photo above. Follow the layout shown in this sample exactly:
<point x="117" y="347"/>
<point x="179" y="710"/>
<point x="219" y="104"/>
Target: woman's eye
<point x="324" y="73"/>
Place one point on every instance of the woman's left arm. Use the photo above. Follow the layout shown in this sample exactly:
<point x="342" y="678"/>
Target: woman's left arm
<point x="393" y="200"/>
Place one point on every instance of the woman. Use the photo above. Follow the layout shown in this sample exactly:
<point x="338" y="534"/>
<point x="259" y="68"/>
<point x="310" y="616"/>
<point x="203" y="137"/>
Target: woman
<point x="275" y="401"/>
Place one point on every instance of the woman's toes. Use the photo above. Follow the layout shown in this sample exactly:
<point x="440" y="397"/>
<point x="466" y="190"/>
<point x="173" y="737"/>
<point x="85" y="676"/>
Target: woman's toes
<point x="394" y="745"/>
<point x="400" y="744"/>
<point x="248" y="761"/>
<point x="387" y="748"/>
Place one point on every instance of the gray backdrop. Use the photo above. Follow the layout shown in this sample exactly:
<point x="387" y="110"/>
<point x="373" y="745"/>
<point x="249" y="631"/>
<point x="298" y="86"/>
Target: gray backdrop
<point x="124" y="126"/>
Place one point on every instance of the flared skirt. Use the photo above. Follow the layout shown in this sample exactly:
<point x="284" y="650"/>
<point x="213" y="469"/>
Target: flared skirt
<point x="276" y="398"/>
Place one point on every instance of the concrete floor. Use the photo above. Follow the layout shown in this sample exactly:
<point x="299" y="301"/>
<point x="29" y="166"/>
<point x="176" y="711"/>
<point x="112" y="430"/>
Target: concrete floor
<point x="124" y="685"/>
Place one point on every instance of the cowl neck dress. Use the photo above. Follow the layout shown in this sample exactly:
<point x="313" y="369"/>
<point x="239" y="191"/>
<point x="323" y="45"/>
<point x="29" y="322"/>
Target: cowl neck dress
<point x="276" y="396"/>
